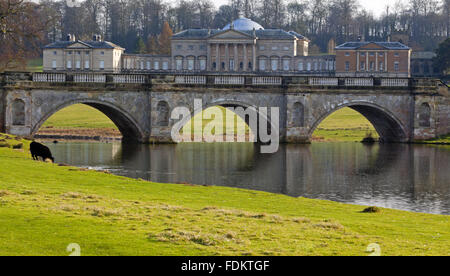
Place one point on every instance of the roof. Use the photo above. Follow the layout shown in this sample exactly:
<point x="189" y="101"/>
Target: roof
<point x="243" y="24"/>
<point x="359" y="44"/>
<point x="89" y="44"/>
<point x="261" y="34"/>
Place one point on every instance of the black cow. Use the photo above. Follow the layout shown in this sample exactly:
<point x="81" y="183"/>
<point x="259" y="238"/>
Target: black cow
<point x="38" y="150"/>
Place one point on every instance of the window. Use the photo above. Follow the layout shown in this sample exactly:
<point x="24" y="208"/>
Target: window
<point x="372" y="65"/>
<point x="54" y="64"/>
<point x="148" y="65"/>
<point x="347" y="66"/>
<point x="262" y="64"/>
<point x="347" y="54"/>
<point x="87" y="53"/>
<point x="78" y="64"/>
<point x="308" y="66"/>
<point x="362" y="66"/>
<point x="214" y="65"/>
<point x="241" y="65"/>
<point x="142" y="65"/>
<point x="381" y="67"/>
<point x="202" y="47"/>
<point x="286" y="48"/>
<point x="156" y="65"/>
<point x="69" y="64"/>
<point x="203" y="64"/>
<point x="102" y="64"/>
<point x="396" y="54"/>
<point x="231" y="65"/>
<point x="380" y="54"/>
<point x="262" y="48"/>
<point x="179" y="64"/>
<point x="191" y="47"/>
<point x="102" y="53"/>
<point x="362" y="54"/>
<point x="250" y="65"/>
<point x="274" y="64"/>
<point x="315" y="66"/>
<point x="274" y="48"/>
<point x="70" y="52"/>
<point x="179" y="47"/>
<point x="86" y="64"/>
<point x="190" y="64"/>
<point x="78" y="53"/>
<point x="286" y="66"/>
<point x="300" y="66"/>
<point x="165" y="65"/>
<point x="223" y="65"/>
<point x="372" y="54"/>
<point x="396" y="66"/>
<point x="55" y="53"/>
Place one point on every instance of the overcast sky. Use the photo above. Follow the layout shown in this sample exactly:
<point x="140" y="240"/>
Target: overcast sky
<point x="376" y="6"/>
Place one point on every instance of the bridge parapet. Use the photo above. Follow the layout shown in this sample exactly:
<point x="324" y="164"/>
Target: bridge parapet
<point x="416" y="85"/>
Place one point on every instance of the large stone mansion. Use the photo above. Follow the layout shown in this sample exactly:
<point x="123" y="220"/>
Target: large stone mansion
<point x="242" y="46"/>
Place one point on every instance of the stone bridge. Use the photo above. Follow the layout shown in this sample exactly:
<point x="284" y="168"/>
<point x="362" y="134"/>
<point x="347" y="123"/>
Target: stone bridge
<point x="401" y="110"/>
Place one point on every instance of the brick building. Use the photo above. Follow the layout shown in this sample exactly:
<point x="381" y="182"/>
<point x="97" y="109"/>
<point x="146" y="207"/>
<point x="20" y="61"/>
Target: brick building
<point x="373" y="59"/>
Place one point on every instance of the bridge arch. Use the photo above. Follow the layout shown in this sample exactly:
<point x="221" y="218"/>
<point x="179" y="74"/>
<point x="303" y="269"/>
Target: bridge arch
<point x="127" y="125"/>
<point x="388" y="126"/>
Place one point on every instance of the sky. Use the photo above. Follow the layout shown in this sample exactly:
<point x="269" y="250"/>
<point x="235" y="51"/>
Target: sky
<point x="376" y="6"/>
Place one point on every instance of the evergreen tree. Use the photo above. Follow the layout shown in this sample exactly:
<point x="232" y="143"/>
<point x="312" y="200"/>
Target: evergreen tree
<point x="140" y="46"/>
<point x="152" y="45"/>
<point x="442" y="59"/>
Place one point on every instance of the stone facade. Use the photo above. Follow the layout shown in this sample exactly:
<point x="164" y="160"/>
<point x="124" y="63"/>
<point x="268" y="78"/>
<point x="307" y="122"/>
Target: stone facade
<point x="82" y="56"/>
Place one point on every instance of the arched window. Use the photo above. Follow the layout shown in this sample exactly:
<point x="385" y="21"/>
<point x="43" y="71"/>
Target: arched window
<point x="424" y="115"/>
<point x="163" y="113"/>
<point x="18" y="113"/>
<point x="298" y="115"/>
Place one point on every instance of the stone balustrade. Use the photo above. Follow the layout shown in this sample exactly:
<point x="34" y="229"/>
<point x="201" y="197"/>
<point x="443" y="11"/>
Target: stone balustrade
<point x="233" y="80"/>
<point x="247" y="80"/>
<point x="92" y="78"/>
<point x="267" y="80"/>
<point x="323" y="81"/>
<point x="190" y="79"/>
<point x="395" y="82"/>
<point x="358" y="81"/>
<point x="49" y="77"/>
<point x="129" y="78"/>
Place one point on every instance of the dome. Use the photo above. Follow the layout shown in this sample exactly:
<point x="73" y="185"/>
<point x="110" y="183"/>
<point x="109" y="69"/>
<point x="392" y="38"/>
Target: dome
<point x="244" y="24"/>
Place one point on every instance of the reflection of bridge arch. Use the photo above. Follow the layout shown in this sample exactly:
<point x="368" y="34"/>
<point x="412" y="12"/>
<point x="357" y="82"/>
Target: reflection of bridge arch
<point x="385" y="123"/>
<point x="236" y="104"/>
<point x="126" y="124"/>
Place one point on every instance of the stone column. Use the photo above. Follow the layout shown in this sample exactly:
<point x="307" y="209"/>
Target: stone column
<point x="208" y="57"/>
<point x="217" y="57"/>
<point x="236" y="62"/>
<point x="245" y="57"/>
<point x="376" y="61"/>
<point x="227" y="58"/>
<point x="254" y="57"/>
<point x="367" y="61"/>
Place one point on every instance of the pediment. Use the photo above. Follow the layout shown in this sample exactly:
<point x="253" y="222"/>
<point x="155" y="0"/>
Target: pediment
<point x="78" y="45"/>
<point x="371" y="46"/>
<point x="231" y="34"/>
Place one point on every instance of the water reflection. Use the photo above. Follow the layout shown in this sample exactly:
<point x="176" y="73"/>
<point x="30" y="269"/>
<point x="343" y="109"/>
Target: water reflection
<point x="408" y="177"/>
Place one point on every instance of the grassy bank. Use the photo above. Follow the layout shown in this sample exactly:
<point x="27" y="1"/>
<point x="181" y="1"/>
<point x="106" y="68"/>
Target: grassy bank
<point x="44" y="207"/>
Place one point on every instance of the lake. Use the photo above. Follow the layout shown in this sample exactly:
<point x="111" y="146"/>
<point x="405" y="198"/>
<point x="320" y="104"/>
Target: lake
<point x="399" y="176"/>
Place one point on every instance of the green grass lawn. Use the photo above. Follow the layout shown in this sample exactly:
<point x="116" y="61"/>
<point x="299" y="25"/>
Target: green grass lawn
<point x="34" y="65"/>
<point x="344" y="125"/>
<point x="79" y="116"/>
<point x="45" y="207"/>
